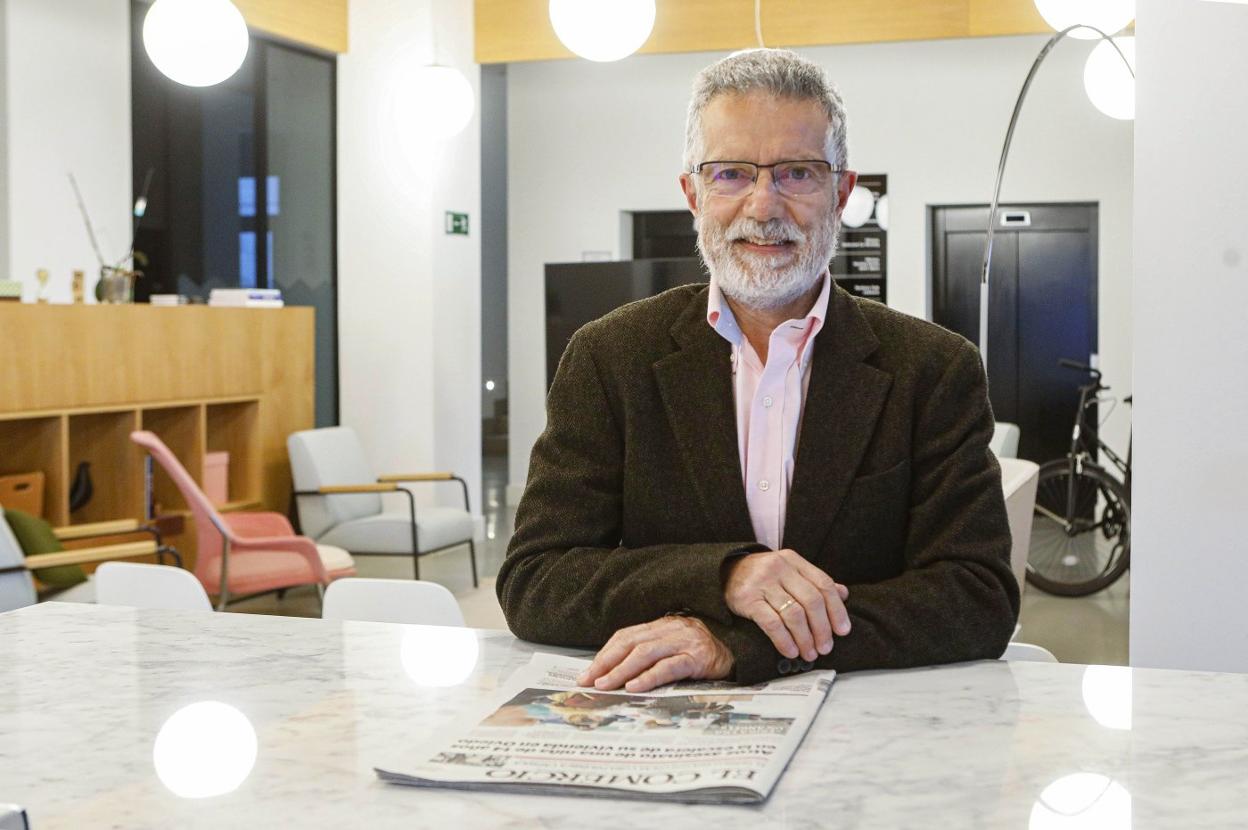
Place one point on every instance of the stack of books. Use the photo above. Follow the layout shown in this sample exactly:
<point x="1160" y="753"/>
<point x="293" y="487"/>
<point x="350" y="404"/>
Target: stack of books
<point x="168" y="299"/>
<point x="246" y="297"/>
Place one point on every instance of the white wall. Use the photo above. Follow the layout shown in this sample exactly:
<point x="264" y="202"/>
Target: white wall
<point x="409" y="296"/>
<point x="587" y="141"/>
<point x="66" y="103"/>
<point x="1189" y="558"/>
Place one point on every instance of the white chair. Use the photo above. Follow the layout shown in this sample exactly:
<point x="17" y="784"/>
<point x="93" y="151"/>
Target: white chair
<point x="1019" y="478"/>
<point x="338" y="498"/>
<point x="1005" y="440"/>
<point x="17" y="588"/>
<point x="391" y="600"/>
<point x="1028" y="653"/>
<point x="149" y="586"/>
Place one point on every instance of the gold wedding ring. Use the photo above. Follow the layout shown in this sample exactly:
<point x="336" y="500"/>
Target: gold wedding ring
<point x="790" y="601"/>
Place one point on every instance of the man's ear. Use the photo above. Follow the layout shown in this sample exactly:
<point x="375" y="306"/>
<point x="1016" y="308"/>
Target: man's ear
<point x="691" y="193"/>
<point x="844" y="186"/>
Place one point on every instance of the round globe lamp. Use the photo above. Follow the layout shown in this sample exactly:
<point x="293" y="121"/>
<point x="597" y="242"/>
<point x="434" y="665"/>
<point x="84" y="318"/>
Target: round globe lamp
<point x="446" y="99"/>
<point x="1107" y="80"/>
<point x="602" y="30"/>
<point x="1109" y="16"/>
<point x="195" y="42"/>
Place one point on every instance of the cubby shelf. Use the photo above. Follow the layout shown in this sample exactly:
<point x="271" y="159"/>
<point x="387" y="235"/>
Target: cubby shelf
<point x="56" y="443"/>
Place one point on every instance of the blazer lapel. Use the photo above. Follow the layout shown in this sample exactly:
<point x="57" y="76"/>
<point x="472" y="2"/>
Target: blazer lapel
<point x="843" y="402"/>
<point x="695" y="383"/>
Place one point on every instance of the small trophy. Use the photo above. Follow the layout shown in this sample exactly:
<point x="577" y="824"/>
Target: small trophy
<point x="41" y="276"/>
<point x="79" y="287"/>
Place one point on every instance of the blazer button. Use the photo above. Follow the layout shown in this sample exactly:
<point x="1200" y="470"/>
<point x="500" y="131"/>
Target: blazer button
<point x="804" y="665"/>
<point x="785" y="666"/>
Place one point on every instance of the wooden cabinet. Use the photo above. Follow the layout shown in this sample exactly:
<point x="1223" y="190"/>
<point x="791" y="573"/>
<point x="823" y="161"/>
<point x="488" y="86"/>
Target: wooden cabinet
<point x="75" y="381"/>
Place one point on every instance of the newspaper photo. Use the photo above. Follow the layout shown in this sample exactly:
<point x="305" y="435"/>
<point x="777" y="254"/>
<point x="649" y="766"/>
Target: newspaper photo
<point x="699" y="742"/>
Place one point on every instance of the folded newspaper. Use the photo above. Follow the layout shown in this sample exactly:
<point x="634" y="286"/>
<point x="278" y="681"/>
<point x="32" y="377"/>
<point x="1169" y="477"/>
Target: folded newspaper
<point x="700" y="742"/>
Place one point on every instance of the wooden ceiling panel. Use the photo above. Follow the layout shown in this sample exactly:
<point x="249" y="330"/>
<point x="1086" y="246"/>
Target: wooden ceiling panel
<point x="519" y="30"/>
<point x="321" y="24"/>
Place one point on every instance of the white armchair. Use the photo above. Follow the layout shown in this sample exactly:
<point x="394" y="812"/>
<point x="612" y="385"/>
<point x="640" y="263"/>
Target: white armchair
<point x="1019" y="479"/>
<point x="338" y="499"/>
<point x="1005" y="440"/>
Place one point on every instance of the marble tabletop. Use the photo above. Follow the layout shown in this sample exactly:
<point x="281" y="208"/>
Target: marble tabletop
<point x="119" y="717"/>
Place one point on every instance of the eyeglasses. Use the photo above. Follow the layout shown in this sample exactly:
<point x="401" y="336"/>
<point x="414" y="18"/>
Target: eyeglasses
<point x="791" y="178"/>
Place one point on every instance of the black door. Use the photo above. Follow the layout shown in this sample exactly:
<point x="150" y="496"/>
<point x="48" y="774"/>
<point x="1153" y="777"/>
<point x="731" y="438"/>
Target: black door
<point x="1042" y="307"/>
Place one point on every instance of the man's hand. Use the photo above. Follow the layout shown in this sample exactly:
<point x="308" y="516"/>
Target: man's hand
<point x="795" y="603"/>
<point x="643" y="657"/>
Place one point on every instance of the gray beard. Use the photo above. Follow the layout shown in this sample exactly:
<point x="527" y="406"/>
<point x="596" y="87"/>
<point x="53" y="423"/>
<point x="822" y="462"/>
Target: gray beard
<point x="753" y="281"/>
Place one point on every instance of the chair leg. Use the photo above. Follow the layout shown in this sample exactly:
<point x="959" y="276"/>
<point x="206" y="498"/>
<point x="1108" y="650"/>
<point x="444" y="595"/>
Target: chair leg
<point x="416" y="564"/>
<point x="223" y="599"/>
<point x="472" y="557"/>
<point x="320" y="596"/>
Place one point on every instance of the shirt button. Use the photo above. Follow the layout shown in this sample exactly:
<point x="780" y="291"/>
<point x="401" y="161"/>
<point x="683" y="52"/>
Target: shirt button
<point x="767" y="401"/>
<point x="764" y="485"/>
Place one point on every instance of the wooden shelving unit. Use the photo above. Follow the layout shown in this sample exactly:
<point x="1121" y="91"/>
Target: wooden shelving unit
<point x="80" y="379"/>
<point x="30" y="445"/>
<point x="102" y="440"/>
<point x="57" y="443"/>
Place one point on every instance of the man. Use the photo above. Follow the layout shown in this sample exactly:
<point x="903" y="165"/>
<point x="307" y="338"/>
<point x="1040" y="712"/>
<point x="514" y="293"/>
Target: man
<point x="765" y="474"/>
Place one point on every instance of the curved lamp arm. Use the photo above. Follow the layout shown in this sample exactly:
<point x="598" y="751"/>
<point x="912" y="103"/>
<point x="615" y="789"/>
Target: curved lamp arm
<point x="1005" y="154"/>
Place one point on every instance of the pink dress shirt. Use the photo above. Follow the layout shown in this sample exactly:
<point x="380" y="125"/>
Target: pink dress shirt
<point x="769" y="401"/>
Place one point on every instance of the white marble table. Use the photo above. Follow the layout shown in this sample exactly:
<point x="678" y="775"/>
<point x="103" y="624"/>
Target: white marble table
<point x="91" y="735"/>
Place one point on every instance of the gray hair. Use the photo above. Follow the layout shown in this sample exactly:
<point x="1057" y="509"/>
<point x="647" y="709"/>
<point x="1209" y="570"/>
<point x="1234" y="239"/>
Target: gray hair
<point x="778" y="71"/>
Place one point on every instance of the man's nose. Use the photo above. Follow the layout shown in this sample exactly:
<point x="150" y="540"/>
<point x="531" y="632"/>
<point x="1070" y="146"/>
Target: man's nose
<point x="764" y="201"/>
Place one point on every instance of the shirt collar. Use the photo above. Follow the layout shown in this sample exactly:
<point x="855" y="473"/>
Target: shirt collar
<point x="720" y="317"/>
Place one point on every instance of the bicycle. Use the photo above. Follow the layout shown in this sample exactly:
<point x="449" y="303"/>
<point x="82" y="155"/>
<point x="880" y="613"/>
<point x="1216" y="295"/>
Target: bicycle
<point x="1081" y="526"/>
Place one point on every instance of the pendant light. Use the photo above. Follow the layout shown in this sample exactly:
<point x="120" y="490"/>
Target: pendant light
<point x="602" y="30"/>
<point x="195" y="42"/>
<point x="1107" y="15"/>
<point x="1108" y="81"/>
<point x="446" y="98"/>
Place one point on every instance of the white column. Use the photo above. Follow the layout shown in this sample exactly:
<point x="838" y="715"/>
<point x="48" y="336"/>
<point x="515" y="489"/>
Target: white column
<point x="1189" y="562"/>
<point x="409" y="296"/>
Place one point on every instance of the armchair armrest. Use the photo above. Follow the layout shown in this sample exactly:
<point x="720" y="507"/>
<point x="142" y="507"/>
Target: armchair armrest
<point x="113" y="528"/>
<point x="397" y="477"/>
<point x="259" y="523"/>
<point x="84" y="556"/>
<point x="337" y="489"/>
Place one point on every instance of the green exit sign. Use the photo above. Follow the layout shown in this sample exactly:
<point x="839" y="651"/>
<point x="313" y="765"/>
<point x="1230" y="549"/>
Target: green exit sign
<point x="457" y="223"/>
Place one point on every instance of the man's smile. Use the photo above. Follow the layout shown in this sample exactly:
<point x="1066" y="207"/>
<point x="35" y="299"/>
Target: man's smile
<point x="759" y="246"/>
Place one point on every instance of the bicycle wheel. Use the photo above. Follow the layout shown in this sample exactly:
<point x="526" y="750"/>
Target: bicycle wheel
<point x="1079" y="551"/>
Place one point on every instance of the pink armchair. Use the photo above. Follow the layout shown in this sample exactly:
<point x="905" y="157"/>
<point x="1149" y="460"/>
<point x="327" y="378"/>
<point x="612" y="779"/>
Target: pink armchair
<point x="242" y="554"/>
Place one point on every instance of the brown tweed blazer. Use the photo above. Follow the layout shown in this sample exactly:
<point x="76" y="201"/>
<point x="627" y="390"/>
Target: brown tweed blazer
<point x="635" y="496"/>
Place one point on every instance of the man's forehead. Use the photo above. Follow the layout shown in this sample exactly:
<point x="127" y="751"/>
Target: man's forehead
<point x="746" y="127"/>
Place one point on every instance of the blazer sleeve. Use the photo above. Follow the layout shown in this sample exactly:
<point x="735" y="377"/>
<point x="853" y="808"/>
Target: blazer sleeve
<point x="957" y="598"/>
<point x="566" y="579"/>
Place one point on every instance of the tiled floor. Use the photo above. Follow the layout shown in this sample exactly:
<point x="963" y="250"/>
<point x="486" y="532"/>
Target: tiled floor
<point x="1077" y="630"/>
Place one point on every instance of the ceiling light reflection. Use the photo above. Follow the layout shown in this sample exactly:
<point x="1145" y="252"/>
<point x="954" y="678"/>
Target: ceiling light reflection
<point x="205" y="749"/>
<point x="1107" y="694"/>
<point x="439" y="656"/>
<point x="1082" y="800"/>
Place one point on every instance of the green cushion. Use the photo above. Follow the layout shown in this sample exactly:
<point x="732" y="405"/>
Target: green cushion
<point x="36" y="536"/>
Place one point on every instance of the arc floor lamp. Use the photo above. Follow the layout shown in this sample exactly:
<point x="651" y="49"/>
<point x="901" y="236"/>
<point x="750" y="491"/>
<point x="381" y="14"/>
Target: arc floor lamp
<point x="1005" y="154"/>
